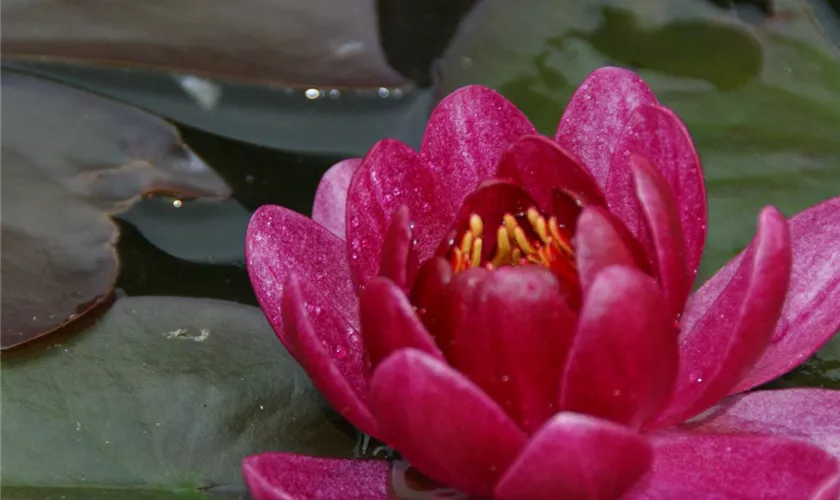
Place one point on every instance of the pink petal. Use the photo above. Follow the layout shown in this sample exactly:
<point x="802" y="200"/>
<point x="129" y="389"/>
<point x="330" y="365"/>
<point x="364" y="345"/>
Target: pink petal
<point x="442" y="423"/>
<point x="391" y="175"/>
<point x="280" y="241"/>
<point x="330" y="205"/>
<point x="656" y="133"/>
<point x="466" y="136"/>
<point x="809" y="318"/>
<point x="662" y="224"/>
<point x="809" y="414"/>
<point x="512" y="340"/>
<point x="399" y="260"/>
<point x="722" y="338"/>
<point x="389" y="322"/>
<point x="429" y="287"/>
<point x="576" y="456"/>
<point x="329" y="349"/>
<point x="597" y="114"/>
<point x="601" y="241"/>
<point x="624" y="331"/>
<point x="701" y="466"/>
<point x="287" y="476"/>
<point x="543" y="167"/>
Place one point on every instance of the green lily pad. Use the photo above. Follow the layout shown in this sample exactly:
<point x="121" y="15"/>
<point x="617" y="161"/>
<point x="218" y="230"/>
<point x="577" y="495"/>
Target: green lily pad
<point x="303" y="42"/>
<point x="821" y="370"/>
<point x="71" y="160"/>
<point x="762" y="101"/>
<point x="161" y="399"/>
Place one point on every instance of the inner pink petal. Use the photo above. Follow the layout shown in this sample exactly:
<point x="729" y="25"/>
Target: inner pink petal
<point x="329" y="207"/>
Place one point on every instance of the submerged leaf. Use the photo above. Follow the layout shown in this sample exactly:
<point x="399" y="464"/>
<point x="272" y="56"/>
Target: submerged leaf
<point x="70" y="159"/>
<point x="164" y="395"/>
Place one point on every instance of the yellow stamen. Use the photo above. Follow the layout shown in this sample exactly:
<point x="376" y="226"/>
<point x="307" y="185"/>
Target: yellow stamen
<point x="475" y="257"/>
<point x="466" y="243"/>
<point x="476" y="225"/>
<point x="510" y="224"/>
<point x="522" y="241"/>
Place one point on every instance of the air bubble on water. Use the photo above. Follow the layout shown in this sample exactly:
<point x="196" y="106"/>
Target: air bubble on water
<point x="383" y="92"/>
<point x="312" y="94"/>
<point x="335" y="94"/>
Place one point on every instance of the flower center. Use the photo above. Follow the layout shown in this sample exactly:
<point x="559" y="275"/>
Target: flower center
<point x="524" y="238"/>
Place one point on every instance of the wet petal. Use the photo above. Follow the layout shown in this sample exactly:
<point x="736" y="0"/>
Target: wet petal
<point x="330" y="205"/>
<point x="689" y="465"/>
<point x="329" y="349"/>
<point x="389" y="322"/>
<point x="625" y="332"/>
<point x="542" y="167"/>
<point x="399" y="260"/>
<point x="656" y="133"/>
<point x="466" y="136"/>
<point x="280" y="241"/>
<point x="392" y="175"/>
<point x="809" y="414"/>
<point x="442" y="423"/>
<point x="512" y="337"/>
<point x="287" y="476"/>
<point x="809" y="317"/>
<point x="560" y="462"/>
<point x="601" y="241"/>
<point x="722" y="338"/>
<point x="597" y="114"/>
<point x="660" y="216"/>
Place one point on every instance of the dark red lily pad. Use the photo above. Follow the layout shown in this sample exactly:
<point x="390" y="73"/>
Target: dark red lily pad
<point x="298" y="42"/>
<point x="70" y="160"/>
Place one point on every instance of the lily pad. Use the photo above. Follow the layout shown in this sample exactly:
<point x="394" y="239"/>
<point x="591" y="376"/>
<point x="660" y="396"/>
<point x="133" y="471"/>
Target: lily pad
<point x="161" y="399"/>
<point x="303" y="42"/>
<point x="761" y="100"/>
<point x="821" y="370"/>
<point x="327" y="120"/>
<point x="70" y="160"/>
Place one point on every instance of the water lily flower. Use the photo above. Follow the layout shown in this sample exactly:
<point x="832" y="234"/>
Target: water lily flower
<point x="513" y="313"/>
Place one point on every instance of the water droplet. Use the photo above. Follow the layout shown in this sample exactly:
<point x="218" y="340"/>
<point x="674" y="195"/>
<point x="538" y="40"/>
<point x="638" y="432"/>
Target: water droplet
<point x="384" y="92"/>
<point x="355" y="221"/>
<point x="177" y="203"/>
<point x="335" y="94"/>
<point x="396" y="191"/>
<point x="426" y="206"/>
<point x="340" y="352"/>
<point x="699" y="380"/>
<point x="312" y="94"/>
<point x="616" y="392"/>
<point x="505" y="378"/>
<point x="389" y="198"/>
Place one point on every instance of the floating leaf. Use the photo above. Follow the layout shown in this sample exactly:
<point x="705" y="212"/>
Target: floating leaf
<point x="70" y="159"/>
<point x="327" y="120"/>
<point x="303" y="42"/>
<point x="161" y="399"/>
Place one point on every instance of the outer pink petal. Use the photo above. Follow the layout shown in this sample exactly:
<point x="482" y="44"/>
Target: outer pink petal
<point x="662" y="225"/>
<point x="657" y="134"/>
<point x="392" y="175"/>
<point x="576" y="457"/>
<point x="810" y="414"/>
<point x="543" y="167"/>
<point x="809" y="317"/>
<point x="389" y="322"/>
<point x="399" y="260"/>
<point x="442" y="423"/>
<point x="286" y="476"/>
<point x="512" y="339"/>
<point x="601" y="241"/>
<point x="330" y="205"/>
<point x="598" y="113"/>
<point x="721" y="342"/>
<point x="280" y="241"/>
<point x="624" y="331"/>
<point x="702" y="466"/>
<point x="330" y="351"/>
<point x="466" y="136"/>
